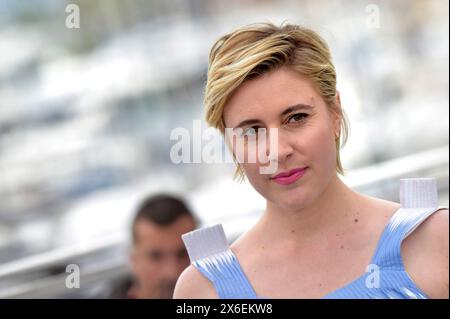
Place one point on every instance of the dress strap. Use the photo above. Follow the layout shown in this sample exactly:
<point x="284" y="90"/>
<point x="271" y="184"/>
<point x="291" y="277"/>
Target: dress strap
<point x="419" y="200"/>
<point x="210" y="253"/>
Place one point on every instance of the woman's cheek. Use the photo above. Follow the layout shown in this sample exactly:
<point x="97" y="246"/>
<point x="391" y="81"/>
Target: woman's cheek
<point x="252" y="171"/>
<point x="323" y="150"/>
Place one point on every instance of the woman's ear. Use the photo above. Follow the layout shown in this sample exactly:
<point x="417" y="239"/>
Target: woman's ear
<point x="337" y="115"/>
<point x="338" y="99"/>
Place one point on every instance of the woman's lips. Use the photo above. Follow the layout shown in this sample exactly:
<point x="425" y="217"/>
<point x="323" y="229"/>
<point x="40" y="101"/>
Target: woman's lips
<point x="290" y="177"/>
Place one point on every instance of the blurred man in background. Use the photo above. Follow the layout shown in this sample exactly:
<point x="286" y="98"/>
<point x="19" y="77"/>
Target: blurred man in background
<point x="158" y="255"/>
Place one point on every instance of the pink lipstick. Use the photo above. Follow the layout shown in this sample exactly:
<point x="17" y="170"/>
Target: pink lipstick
<point x="286" y="178"/>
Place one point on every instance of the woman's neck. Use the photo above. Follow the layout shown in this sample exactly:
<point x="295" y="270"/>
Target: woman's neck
<point x="331" y="212"/>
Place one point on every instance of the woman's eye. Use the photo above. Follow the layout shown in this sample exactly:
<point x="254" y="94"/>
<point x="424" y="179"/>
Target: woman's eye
<point x="298" y="117"/>
<point x="251" y="131"/>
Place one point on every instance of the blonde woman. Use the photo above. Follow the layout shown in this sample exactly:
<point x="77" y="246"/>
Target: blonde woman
<point x="317" y="237"/>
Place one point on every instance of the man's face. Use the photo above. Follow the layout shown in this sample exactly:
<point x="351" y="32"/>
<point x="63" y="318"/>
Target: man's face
<point x="159" y="256"/>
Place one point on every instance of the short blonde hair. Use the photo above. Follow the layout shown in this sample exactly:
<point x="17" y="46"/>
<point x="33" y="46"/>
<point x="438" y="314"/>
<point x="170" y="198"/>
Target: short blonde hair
<point x="256" y="49"/>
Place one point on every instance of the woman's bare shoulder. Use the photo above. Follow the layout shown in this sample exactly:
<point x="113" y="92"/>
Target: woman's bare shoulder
<point x="425" y="255"/>
<point x="193" y="285"/>
<point x="379" y="205"/>
<point x="379" y="211"/>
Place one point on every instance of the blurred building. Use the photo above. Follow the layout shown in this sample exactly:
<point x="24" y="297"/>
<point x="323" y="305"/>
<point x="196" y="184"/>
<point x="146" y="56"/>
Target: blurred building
<point x="86" y="115"/>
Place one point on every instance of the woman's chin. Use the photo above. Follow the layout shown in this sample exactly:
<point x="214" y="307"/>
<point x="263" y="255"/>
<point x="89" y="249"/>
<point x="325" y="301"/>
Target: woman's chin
<point x="292" y="200"/>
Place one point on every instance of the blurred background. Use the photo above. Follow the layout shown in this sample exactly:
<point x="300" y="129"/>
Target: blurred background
<point x="86" y="115"/>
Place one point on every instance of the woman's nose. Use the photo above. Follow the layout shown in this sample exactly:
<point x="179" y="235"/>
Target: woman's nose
<point x="278" y="146"/>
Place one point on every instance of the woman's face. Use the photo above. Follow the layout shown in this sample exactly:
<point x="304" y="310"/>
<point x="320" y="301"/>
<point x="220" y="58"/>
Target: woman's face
<point x="306" y="152"/>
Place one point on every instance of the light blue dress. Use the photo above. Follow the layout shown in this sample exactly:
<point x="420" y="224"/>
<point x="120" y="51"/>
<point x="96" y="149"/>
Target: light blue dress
<point x="385" y="277"/>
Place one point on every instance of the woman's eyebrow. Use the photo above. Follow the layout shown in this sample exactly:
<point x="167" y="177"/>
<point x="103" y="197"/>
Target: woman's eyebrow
<point x="296" y="107"/>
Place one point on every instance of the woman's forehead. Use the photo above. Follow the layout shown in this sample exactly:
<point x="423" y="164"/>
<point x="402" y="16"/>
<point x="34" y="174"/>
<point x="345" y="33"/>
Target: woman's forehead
<point x="268" y="96"/>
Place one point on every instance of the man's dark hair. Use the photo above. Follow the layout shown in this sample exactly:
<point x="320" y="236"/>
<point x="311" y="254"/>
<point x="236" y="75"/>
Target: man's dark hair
<point x="161" y="209"/>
